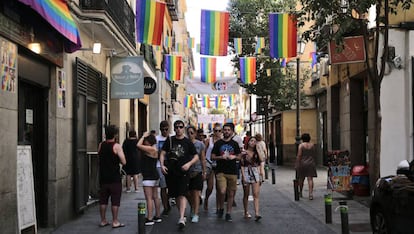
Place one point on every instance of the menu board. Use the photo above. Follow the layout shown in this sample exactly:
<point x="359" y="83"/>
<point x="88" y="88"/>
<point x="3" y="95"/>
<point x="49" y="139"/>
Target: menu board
<point x="25" y="188"/>
<point x="339" y="170"/>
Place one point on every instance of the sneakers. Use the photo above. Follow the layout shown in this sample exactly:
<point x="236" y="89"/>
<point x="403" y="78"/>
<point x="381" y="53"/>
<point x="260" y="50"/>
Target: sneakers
<point x="149" y="222"/>
<point x="181" y="223"/>
<point x="128" y="190"/>
<point x="173" y="202"/>
<point x="157" y="219"/>
<point x="195" y="219"/>
<point x="228" y="218"/>
<point x="220" y="213"/>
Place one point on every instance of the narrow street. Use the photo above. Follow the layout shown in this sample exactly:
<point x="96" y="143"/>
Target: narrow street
<point x="281" y="214"/>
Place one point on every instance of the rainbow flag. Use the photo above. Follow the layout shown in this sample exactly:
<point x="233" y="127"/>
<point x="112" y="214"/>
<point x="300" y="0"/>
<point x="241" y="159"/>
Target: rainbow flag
<point x="208" y="69"/>
<point x="179" y="47"/>
<point x="57" y="14"/>
<point x="248" y="70"/>
<point x="282" y="35"/>
<point x="206" y="101"/>
<point x="238" y="45"/>
<point x="149" y="21"/>
<point x="231" y="99"/>
<point x="260" y="43"/>
<point x="173" y="67"/>
<point x="168" y="42"/>
<point x="188" y="101"/>
<point x="190" y="42"/>
<point x="214" y="32"/>
<point x="218" y="101"/>
<point x="313" y="57"/>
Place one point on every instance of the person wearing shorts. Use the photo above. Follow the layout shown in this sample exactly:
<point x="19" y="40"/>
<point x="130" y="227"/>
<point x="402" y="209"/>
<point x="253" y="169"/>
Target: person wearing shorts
<point x="181" y="156"/>
<point x="110" y="156"/>
<point x="226" y="152"/>
<point x="150" y="177"/>
<point x="197" y="175"/>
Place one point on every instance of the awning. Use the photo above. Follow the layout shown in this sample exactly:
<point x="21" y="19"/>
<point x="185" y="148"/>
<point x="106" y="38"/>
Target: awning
<point x="57" y="13"/>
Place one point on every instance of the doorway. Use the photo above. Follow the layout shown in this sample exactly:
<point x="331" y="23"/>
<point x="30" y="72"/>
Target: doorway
<point x="32" y="131"/>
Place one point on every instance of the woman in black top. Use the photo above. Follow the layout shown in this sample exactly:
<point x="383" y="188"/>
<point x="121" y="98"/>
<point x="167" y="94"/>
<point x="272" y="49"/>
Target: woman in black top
<point x="132" y="166"/>
<point x="150" y="176"/>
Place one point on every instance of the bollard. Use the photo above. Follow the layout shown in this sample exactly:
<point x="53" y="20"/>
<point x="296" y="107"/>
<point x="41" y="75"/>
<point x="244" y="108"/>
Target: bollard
<point x="328" y="208"/>
<point x="266" y="171"/>
<point x="296" y="189"/>
<point x="141" y="217"/>
<point x="344" y="217"/>
<point x="273" y="176"/>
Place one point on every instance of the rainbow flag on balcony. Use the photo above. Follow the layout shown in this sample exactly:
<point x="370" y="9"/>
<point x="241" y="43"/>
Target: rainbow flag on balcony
<point x="57" y="14"/>
<point x="208" y="69"/>
<point x="149" y="21"/>
<point x="282" y="35"/>
<point x="248" y="70"/>
<point x="190" y="42"/>
<point x="313" y="56"/>
<point x="231" y="98"/>
<point x="214" y="33"/>
<point x="260" y="44"/>
<point x="188" y="101"/>
<point x="173" y="67"/>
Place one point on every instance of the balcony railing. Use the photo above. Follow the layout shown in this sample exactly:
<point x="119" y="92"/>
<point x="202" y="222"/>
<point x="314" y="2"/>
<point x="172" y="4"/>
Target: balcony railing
<point x="120" y="11"/>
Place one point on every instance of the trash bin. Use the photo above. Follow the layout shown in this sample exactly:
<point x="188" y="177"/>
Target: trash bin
<point x="360" y="180"/>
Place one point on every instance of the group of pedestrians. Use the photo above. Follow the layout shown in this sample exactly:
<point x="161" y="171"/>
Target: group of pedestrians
<point x="179" y="164"/>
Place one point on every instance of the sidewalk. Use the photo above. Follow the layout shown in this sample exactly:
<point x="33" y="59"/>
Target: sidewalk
<point x="358" y="213"/>
<point x="358" y="207"/>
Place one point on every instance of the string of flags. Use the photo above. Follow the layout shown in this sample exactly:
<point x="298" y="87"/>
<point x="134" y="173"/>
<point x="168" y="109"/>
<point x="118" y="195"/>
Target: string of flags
<point x="206" y="100"/>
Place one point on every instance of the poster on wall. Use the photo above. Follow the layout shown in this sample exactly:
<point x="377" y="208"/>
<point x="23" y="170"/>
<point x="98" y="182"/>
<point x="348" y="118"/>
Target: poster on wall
<point x="8" y="63"/>
<point x="61" y="89"/>
<point x="339" y="170"/>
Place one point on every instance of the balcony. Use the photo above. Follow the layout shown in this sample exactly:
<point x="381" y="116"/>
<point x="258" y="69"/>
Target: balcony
<point x="119" y="11"/>
<point x="173" y="9"/>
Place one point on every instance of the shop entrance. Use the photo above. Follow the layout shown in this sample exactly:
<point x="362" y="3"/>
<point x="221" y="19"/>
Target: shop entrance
<point x="32" y="127"/>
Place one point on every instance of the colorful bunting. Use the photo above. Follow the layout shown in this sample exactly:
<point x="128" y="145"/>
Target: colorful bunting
<point x="238" y="45"/>
<point x="188" y="101"/>
<point x="218" y="101"/>
<point x="190" y="42"/>
<point x="208" y="69"/>
<point x="248" y="70"/>
<point x="206" y="101"/>
<point x="260" y="44"/>
<point x="173" y="67"/>
<point x="282" y="35"/>
<point x="214" y="33"/>
<point x="168" y="42"/>
<point x="231" y="98"/>
<point x="149" y="21"/>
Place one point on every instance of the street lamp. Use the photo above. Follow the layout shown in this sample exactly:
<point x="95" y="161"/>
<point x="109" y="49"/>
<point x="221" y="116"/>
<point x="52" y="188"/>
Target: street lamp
<point x="300" y="50"/>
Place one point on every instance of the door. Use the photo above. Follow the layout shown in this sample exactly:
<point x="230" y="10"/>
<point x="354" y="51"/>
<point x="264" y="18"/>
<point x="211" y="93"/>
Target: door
<point x="32" y="130"/>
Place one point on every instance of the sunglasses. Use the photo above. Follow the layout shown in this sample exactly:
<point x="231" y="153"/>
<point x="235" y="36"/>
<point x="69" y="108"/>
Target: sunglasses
<point x="177" y="127"/>
<point x="164" y="129"/>
<point x="217" y="130"/>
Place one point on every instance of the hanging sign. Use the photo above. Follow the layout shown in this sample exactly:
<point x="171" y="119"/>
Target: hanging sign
<point x="353" y="51"/>
<point x="149" y="85"/>
<point x="127" y="77"/>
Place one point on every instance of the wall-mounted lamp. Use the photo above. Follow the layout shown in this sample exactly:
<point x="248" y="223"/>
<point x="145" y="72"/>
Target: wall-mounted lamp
<point x="394" y="59"/>
<point x="35" y="47"/>
<point x="96" y="49"/>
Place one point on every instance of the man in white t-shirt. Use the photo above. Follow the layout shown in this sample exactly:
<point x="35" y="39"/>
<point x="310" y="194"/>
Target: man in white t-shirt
<point x="165" y="130"/>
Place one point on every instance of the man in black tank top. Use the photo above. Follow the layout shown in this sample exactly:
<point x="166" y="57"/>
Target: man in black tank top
<point x="110" y="156"/>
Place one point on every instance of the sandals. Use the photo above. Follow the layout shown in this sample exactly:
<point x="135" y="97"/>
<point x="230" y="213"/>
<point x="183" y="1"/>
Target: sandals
<point x="247" y="215"/>
<point x="310" y="196"/>
<point x="257" y="218"/>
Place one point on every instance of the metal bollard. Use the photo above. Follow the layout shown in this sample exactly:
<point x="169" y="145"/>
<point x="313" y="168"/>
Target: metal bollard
<point x="344" y="217"/>
<point x="141" y="217"/>
<point x="296" y="189"/>
<point x="328" y="208"/>
<point x="273" y="176"/>
<point x="266" y="167"/>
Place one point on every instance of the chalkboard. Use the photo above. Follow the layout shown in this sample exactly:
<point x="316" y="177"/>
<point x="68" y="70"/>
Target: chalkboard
<point x="25" y="189"/>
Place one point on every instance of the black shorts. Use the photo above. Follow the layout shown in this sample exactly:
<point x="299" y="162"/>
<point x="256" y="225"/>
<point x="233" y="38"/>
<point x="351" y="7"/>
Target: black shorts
<point x="177" y="185"/>
<point x="113" y="190"/>
<point x="196" y="183"/>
